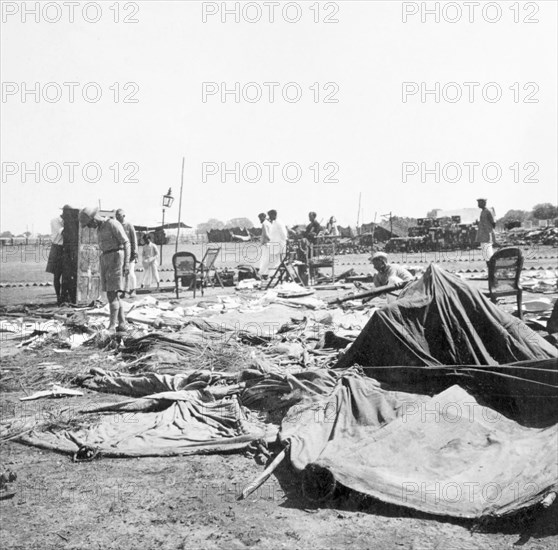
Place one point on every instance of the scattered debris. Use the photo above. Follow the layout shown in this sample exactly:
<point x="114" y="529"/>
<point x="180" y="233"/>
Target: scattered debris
<point x="55" y="391"/>
<point x="333" y="381"/>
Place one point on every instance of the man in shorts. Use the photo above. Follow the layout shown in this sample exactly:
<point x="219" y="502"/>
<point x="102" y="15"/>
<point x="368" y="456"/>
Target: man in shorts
<point x="114" y="261"/>
<point x="56" y="254"/>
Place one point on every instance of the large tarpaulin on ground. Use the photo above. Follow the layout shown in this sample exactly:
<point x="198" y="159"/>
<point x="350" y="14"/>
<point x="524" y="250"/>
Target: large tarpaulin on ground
<point x="441" y="320"/>
<point x="189" y="413"/>
<point x="165" y="424"/>
<point x="445" y="455"/>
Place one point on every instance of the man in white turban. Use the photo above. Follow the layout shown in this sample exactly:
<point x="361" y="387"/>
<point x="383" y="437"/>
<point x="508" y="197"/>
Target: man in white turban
<point x="388" y="274"/>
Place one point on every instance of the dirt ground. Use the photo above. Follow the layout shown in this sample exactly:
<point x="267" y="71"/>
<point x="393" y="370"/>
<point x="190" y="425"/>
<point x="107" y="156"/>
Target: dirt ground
<point x="190" y="502"/>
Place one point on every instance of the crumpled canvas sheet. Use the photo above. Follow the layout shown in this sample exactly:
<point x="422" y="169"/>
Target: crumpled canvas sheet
<point x="186" y="413"/>
<point x="140" y="385"/>
<point x="444" y="455"/>
<point x="257" y="389"/>
<point x="441" y="320"/>
<point x="164" y="424"/>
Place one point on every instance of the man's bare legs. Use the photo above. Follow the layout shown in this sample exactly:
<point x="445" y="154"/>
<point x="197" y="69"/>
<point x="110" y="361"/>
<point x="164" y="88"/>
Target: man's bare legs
<point x="122" y="325"/>
<point x="114" y="307"/>
<point x="117" y="316"/>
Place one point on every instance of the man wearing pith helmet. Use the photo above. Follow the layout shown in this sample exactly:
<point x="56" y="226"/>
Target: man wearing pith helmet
<point x="114" y="261"/>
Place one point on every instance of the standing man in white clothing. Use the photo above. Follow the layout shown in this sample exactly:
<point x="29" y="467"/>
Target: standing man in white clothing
<point x="264" y="248"/>
<point x="278" y="238"/>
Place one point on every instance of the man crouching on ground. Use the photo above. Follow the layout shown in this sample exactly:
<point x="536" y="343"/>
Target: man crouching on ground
<point x="388" y="274"/>
<point x="114" y="261"/>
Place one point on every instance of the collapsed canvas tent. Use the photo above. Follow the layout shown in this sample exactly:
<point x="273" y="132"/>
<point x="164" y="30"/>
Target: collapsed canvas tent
<point x="441" y="320"/>
<point x="439" y="449"/>
<point x="445" y="455"/>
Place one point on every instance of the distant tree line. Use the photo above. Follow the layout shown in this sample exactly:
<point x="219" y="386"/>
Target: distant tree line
<point x="214" y="223"/>
<point x="515" y="218"/>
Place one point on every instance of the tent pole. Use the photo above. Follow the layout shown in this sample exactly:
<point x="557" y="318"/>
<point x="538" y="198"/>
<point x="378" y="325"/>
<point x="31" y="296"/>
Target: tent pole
<point x="179" y="207"/>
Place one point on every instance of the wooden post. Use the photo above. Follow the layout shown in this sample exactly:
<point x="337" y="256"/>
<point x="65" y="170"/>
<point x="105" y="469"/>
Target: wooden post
<point x="262" y="478"/>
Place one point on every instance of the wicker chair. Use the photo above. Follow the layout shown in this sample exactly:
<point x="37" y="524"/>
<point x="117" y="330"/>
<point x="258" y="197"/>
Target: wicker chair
<point x="504" y="270"/>
<point x="186" y="270"/>
<point x="322" y="255"/>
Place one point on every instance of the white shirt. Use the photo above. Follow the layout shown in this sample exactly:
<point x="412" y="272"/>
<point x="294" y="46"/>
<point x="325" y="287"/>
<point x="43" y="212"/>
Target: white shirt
<point x="278" y="233"/>
<point x="56" y="227"/>
<point x="266" y="232"/>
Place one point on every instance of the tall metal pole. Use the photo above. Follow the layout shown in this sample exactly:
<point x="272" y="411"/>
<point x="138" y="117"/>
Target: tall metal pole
<point x="163" y="239"/>
<point x="179" y="207"/>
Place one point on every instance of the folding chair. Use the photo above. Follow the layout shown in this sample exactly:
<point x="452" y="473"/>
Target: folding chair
<point x="186" y="269"/>
<point x="322" y="255"/>
<point x="504" y="270"/>
<point x="207" y="264"/>
<point x="285" y="270"/>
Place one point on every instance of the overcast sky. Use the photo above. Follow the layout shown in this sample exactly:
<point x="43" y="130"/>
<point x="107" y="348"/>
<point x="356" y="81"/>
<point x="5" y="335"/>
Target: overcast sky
<point x="365" y="136"/>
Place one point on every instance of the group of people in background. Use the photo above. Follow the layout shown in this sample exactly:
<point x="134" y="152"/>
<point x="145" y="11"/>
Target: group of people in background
<point x="119" y="252"/>
<point x="314" y="229"/>
<point x="275" y="234"/>
<point x="149" y="258"/>
<point x="273" y="242"/>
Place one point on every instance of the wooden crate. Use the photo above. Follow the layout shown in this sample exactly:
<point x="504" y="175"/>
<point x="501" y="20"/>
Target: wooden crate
<point x="81" y="281"/>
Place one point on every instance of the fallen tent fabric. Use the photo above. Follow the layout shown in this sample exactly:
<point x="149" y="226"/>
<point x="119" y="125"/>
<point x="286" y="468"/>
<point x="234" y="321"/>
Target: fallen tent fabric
<point x="141" y="385"/>
<point x="526" y="391"/>
<point x="189" y="413"/>
<point x="445" y="455"/>
<point x="441" y="320"/>
<point x="164" y="424"/>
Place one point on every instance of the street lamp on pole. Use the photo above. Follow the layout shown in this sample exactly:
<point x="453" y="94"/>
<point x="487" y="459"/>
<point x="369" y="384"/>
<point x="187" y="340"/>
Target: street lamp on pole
<point x="168" y="199"/>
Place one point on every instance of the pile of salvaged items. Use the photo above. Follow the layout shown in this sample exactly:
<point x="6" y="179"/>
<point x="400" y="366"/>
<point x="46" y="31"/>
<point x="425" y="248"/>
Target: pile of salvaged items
<point x="439" y="401"/>
<point x="540" y="236"/>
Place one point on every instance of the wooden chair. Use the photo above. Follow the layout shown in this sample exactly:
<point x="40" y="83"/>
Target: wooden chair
<point x="187" y="270"/>
<point x="208" y="264"/>
<point x="504" y="270"/>
<point x="322" y="255"/>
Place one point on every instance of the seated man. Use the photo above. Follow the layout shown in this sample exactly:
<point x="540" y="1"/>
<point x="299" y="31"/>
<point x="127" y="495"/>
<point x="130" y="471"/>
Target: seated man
<point x="388" y="274"/>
